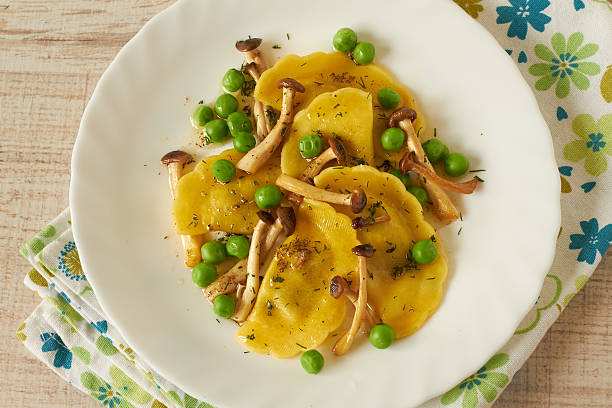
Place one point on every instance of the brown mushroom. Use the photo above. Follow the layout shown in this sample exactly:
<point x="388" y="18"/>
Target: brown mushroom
<point x="237" y="275"/>
<point x="245" y="303"/>
<point x="344" y="343"/>
<point x="335" y="151"/>
<point x="175" y="161"/>
<point x="408" y="163"/>
<point x="338" y="287"/>
<point x="258" y="156"/>
<point x="357" y="200"/>
<point x="251" y="52"/>
<point x="360" y="222"/>
<point x="443" y="207"/>
<point x="262" y="120"/>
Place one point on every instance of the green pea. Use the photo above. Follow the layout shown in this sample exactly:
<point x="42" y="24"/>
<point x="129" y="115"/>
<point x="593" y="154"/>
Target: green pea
<point x="388" y="98"/>
<point x="213" y="252"/>
<point x="238" y="246"/>
<point x="456" y="164"/>
<point x="392" y="139"/>
<point x="268" y="196"/>
<point x="345" y="40"/>
<point x="435" y="150"/>
<point x="232" y="80"/>
<point x="404" y="178"/>
<point x="312" y="361"/>
<point x="310" y="146"/>
<point x="226" y="104"/>
<point x="382" y="336"/>
<point x="202" y="115"/>
<point x="419" y="193"/>
<point x="224" y="170"/>
<point x="244" y="141"/>
<point x="224" y="306"/>
<point x="216" y="130"/>
<point x="203" y="274"/>
<point x="424" y="251"/>
<point x="238" y="122"/>
<point x="363" y="53"/>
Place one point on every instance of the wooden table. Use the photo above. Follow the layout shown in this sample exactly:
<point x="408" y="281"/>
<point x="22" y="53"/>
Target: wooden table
<point x="51" y="56"/>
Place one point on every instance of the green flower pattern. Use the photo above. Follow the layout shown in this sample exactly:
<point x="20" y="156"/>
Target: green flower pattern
<point x="563" y="63"/>
<point x="594" y="143"/>
<point x="550" y="293"/>
<point x="484" y="380"/>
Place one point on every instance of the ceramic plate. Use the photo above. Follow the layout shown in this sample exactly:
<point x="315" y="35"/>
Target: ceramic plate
<point x="467" y="87"/>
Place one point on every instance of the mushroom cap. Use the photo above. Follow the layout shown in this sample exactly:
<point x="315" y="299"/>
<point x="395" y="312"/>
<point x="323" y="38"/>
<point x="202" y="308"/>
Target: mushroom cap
<point x="401" y="114"/>
<point x="248" y="45"/>
<point x="358" y="222"/>
<point x="336" y="287"/>
<point x="265" y="217"/>
<point x="339" y="150"/>
<point x="291" y="84"/>
<point x="286" y="215"/>
<point x="365" y="250"/>
<point x="358" y="200"/>
<point x="176" y="156"/>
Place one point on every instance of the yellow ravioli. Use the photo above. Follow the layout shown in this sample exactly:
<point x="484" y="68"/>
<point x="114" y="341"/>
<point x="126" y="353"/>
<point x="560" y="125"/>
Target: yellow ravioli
<point x="203" y="204"/>
<point x="345" y="113"/>
<point x="294" y="310"/>
<point x="320" y="72"/>
<point x="403" y="293"/>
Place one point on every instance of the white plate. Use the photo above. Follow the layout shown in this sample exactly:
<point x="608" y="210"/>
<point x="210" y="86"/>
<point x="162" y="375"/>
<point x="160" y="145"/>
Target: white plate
<point x="469" y="89"/>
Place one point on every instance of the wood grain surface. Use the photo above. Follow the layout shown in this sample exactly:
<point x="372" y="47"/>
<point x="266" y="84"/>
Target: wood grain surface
<point x="51" y="56"/>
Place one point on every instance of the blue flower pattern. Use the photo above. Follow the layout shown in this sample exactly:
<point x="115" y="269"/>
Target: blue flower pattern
<point x="108" y="397"/>
<point x="53" y="342"/>
<point x="563" y="65"/>
<point x="596" y="143"/>
<point x="592" y="240"/>
<point x="521" y="14"/>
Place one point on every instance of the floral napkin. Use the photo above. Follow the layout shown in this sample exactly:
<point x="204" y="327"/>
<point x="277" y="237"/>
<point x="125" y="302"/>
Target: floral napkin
<point x="563" y="50"/>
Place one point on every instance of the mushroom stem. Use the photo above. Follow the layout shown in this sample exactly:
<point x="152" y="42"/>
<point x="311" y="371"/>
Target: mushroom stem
<point x="257" y="157"/>
<point x="443" y="207"/>
<point x="356" y="200"/>
<point x="408" y="164"/>
<point x="259" y="111"/>
<point x="175" y="162"/>
<point x="339" y="287"/>
<point x="345" y="342"/>
<point x="315" y="166"/>
<point x="228" y="282"/>
<point x="245" y="302"/>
